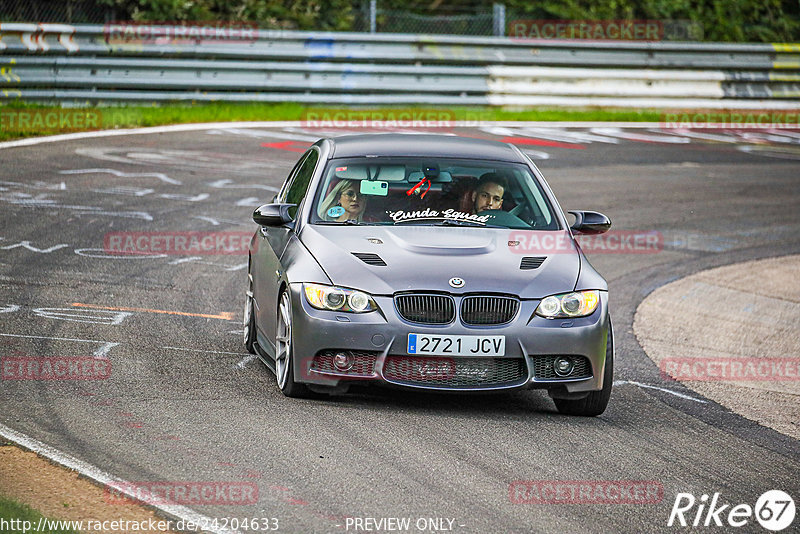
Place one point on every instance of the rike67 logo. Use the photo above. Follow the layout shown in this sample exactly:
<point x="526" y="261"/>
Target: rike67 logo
<point x="774" y="510"/>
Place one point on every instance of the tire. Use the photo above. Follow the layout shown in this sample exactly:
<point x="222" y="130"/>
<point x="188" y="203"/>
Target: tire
<point x="284" y="352"/>
<point x="249" y="319"/>
<point x="596" y="401"/>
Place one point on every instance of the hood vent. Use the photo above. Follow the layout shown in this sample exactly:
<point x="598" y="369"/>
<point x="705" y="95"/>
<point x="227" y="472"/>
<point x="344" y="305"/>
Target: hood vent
<point x="370" y="258"/>
<point x="531" y="262"/>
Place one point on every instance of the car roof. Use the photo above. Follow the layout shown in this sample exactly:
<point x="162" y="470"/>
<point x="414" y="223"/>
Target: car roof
<point x="422" y="145"/>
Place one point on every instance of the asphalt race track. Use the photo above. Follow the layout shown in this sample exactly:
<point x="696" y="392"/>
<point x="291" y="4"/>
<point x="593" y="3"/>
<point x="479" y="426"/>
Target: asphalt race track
<point x="185" y="402"/>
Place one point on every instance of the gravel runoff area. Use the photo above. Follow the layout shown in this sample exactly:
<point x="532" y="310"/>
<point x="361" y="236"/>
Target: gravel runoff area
<point x="61" y="494"/>
<point x="732" y="334"/>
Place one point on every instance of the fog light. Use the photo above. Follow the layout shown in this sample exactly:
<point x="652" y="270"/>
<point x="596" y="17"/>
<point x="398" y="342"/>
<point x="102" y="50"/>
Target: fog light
<point x="563" y="366"/>
<point x="343" y="361"/>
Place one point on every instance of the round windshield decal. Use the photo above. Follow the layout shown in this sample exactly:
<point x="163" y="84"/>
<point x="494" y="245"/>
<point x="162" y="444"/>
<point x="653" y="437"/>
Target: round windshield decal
<point x="457" y="282"/>
<point x="336" y="211"/>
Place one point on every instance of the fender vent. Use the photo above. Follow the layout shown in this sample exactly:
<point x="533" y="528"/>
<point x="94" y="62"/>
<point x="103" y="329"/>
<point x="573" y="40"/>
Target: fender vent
<point x="370" y="258"/>
<point x="531" y="262"/>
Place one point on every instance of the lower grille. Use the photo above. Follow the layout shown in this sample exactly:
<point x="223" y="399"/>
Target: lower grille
<point x="426" y="309"/>
<point x="363" y="363"/>
<point x="543" y="368"/>
<point x="455" y="372"/>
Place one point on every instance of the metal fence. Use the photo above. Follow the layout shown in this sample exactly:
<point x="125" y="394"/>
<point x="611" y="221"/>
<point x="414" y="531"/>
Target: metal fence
<point x="57" y="11"/>
<point x="97" y="64"/>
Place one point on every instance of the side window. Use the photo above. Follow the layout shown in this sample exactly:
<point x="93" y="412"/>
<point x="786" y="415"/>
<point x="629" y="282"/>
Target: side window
<point x="281" y="197"/>
<point x="299" y="186"/>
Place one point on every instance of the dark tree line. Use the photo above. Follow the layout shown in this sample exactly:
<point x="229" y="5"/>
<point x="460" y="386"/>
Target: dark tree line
<point x="720" y="20"/>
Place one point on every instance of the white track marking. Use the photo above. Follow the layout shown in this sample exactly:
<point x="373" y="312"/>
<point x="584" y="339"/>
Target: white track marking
<point x="27" y="245"/>
<point x="103" y="254"/>
<point x="250" y="202"/>
<point x="701" y="135"/>
<point x="160" y="175"/>
<point x="211" y="351"/>
<point x="795" y="135"/>
<point x="101" y="477"/>
<point x="39" y="185"/>
<point x="123" y="190"/>
<point x="216" y="221"/>
<point x="11" y="308"/>
<point x="665" y="390"/>
<point x="237" y="267"/>
<point x="770" y="152"/>
<point x="617" y="132"/>
<point x="553" y="134"/>
<point x="186" y="198"/>
<point x="83" y="316"/>
<point x="264" y="134"/>
<point x="174" y="128"/>
<point x="26" y="201"/>
<point x="100" y="352"/>
<point x="536" y="154"/>
<point x="247" y="359"/>
<point x="207" y="219"/>
<point x="229" y="184"/>
<point x="185" y="260"/>
<point x="566" y="136"/>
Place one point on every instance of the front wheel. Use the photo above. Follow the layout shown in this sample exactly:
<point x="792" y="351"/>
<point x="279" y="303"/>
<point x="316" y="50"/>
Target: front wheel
<point x="284" y="352"/>
<point x="595" y="402"/>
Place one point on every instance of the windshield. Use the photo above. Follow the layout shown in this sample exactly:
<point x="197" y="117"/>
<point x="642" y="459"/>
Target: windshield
<point x="412" y="191"/>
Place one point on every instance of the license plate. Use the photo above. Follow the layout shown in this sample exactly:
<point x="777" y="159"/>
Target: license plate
<point x="456" y="345"/>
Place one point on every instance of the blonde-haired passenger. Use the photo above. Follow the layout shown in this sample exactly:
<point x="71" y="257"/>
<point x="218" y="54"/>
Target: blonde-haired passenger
<point x="347" y="195"/>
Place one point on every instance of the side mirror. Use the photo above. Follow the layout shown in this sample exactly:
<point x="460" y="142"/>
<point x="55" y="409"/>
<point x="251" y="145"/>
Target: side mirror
<point x="273" y="214"/>
<point x="590" y="222"/>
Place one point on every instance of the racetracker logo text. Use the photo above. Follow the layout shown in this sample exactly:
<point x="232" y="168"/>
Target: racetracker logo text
<point x="177" y="243"/>
<point x="730" y="369"/>
<point x="611" y="242"/>
<point x="56" y="368"/>
<point x="167" y="32"/>
<point x="585" y="492"/>
<point x="184" y="493"/>
<point x="62" y="120"/>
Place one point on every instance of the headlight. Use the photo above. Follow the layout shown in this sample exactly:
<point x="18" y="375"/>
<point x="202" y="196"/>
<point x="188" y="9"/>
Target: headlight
<point x="338" y="299"/>
<point x="578" y="304"/>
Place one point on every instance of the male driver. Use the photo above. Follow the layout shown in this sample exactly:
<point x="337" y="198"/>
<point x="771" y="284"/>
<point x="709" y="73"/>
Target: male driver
<point x="488" y="193"/>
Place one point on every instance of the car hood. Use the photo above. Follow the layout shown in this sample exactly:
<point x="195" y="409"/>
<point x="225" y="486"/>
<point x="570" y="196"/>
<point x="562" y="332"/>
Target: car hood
<point x="427" y="257"/>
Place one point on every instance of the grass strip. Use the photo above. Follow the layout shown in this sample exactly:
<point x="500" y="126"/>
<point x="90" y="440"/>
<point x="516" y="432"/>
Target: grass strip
<point x="37" y="123"/>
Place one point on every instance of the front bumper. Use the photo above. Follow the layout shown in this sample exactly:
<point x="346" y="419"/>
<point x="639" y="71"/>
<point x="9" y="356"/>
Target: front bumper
<point x="379" y="338"/>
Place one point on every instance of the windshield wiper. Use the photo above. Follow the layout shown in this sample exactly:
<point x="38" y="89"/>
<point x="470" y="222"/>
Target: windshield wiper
<point x="348" y="221"/>
<point x="460" y="222"/>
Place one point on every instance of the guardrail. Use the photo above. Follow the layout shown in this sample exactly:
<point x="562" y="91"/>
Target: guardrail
<point x="91" y="63"/>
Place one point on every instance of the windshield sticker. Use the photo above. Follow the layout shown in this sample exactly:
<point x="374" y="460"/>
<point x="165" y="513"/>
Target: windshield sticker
<point x="336" y="211"/>
<point x="420" y="215"/>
